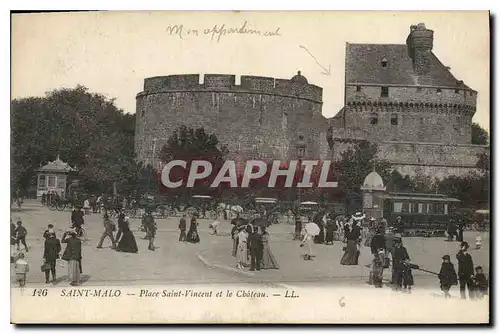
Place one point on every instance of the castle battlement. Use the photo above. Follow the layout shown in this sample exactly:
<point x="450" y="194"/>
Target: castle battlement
<point x="227" y="84"/>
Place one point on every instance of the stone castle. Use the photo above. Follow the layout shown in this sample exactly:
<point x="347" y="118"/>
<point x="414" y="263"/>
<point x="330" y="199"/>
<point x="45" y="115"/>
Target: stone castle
<point x="259" y="118"/>
<point x="399" y="96"/>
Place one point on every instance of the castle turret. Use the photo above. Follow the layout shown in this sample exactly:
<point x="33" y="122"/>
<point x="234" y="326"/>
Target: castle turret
<point x="420" y="42"/>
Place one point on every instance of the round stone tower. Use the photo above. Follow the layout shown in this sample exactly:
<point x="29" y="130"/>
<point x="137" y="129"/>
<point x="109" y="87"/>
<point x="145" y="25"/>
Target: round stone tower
<point x="261" y="117"/>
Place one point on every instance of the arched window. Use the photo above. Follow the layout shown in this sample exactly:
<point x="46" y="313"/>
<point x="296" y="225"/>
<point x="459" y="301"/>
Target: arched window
<point x="383" y="62"/>
<point x="394" y="119"/>
<point x="373" y="119"/>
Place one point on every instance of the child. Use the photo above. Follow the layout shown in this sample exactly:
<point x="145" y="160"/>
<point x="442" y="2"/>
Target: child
<point x="478" y="241"/>
<point x="407" y="277"/>
<point x="21" y="235"/>
<point x="481" y="283"/>
<point x="48" y="231"/>
<point x="21" y="268"/>
<point x="447" y="276"/>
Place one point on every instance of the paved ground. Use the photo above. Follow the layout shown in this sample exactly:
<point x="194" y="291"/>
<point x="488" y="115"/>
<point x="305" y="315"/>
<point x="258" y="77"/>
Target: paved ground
<point x="210" y="261"/>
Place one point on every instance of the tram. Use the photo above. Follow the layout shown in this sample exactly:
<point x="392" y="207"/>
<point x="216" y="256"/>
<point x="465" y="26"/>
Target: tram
<point x="422" y="214"/>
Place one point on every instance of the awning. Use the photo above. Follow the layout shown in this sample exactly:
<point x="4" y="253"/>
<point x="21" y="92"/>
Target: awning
<point x="422" y="199"/>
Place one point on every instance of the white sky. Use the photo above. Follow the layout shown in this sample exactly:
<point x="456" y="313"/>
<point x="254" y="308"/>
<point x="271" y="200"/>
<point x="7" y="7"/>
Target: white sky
<point x="112" y="53"/>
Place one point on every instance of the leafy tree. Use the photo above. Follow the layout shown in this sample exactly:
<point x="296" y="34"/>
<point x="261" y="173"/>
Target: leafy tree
<point x="85" y="129"/>
<point x="479" y="135"/>
<point x="190" y="144"/>
<point x="356" y="163"/>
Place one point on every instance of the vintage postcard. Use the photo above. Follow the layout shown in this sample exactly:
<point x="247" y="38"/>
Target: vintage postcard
<point x="250" y="167"/>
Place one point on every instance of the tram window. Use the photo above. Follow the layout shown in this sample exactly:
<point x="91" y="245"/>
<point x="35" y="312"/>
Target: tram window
<point x="414" y="207"/>
<point x="439" y="208"/>
<point x="405" y="207"/>
<point x="446" y="209"/>
<point x="398" y="207"/>
<point x="420" y="208"/>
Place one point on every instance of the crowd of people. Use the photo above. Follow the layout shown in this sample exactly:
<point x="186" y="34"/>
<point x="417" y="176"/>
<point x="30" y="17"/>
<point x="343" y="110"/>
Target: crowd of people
<point x="251" y="249"/>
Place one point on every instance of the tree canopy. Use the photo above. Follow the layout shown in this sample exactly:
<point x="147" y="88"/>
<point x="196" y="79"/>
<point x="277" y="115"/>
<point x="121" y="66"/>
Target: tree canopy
<point x="85" y="129"/>
<point x="479" y="135"/>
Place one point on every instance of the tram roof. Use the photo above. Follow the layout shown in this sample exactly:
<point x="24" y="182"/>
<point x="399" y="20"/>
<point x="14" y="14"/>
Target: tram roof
<point x="421" y="197"/>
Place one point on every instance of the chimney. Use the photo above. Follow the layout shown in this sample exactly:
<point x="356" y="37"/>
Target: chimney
<point x="420" y="42"/>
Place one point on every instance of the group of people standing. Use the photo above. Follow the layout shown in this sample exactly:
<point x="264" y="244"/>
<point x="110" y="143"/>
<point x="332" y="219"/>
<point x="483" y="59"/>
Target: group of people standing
<point x="192" y="235"/>
<point x="251" y="247"/>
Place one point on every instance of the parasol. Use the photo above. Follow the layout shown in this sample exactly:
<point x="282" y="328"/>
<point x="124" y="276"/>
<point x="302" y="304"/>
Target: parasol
<point x="236" y="208"/>
<point x="239" y="221"/>
<point x="261" y="222"/>
<point x="312" y="229"/>
<point x="358" y="216"/>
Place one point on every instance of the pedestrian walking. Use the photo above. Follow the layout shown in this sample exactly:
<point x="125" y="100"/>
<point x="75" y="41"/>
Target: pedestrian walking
<point x="378" y="249"/>
<point x="86" y="207"/>
<point x="465" y="271"/>
<point x="242" y="251"/>
<point x="478" y="241"/>
<point x="268" y="259"/>
<point x="182" y="228"/>
<point x="73" y="255"/>
<point x="447" y="276"/>
<point x="77" y="219"/>
<point x="21" y="268"/>
<point x="192" y="235"/>
<point x="400" y="258"/>
<point x="13" y="239"/>
<point x="21" y="233"/>
<point x="480" y="283"/>
<point x="150" y="226"/>
<point x="109" y="228"/>
<point x="121" y="223"/>
<point x="256" y="248"/>
<point x="52" y="248"/>
<point x="234" y="237"/>
<point x="127" y="242"/>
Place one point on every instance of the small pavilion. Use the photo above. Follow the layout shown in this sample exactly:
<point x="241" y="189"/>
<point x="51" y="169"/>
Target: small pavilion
<point x="53" y="177"/>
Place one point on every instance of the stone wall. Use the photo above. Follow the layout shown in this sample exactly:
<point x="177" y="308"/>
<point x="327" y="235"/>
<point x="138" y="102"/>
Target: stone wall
<point x="412" y="158"/>
<point x="262" y="117"/>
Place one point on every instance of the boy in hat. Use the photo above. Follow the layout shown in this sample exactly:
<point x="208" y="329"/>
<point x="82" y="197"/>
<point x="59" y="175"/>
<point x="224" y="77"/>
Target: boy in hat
<point x="21" y="268"/>
<point x="21" y="233"/>
<point x="481" y="283"/>
<point x="465" y="271"/>
<point x="447" y="276"/>
<point x="399" y="258"/>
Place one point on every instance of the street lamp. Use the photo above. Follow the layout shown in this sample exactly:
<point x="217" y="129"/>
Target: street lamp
<point x="300" y="145"/>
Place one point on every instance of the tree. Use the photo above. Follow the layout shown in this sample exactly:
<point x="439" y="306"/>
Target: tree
<point x="190" y="144"/>
<point x="85" y="129"/>
<point x="479" y="135"/>
<point x="356" y="163"/>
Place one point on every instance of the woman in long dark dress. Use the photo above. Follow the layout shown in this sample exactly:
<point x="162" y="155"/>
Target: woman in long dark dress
<point x="127" y="242"/>
<point x="349" y="257"/>
<point x="193" y="235"/>
<point x="268" y="259"/>
<point x="330" y="230"/>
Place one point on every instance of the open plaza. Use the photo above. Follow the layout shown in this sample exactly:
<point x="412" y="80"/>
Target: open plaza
<point x="210" y="261"/>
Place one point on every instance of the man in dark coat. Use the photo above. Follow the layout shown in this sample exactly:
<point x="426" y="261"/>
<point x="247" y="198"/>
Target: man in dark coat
<point x="21" y="233"/>
<point x="109" y="228"/>
<point x="451" y="229"/>
<point x="77" y="219"/>
<point x="149" y="224"/>
<point x="465" y="271"/>
<point x="50" y="255"/>
<point x="481" y="283"/>
<point x="447" y="276"/>
<point x="121" y="223"/>
<point x="400" y="228"/>
<point x="399" y="259"/>
<point x="378" y="249"/>
<point x="182" y="228"/>
<point x="256" y="248"/>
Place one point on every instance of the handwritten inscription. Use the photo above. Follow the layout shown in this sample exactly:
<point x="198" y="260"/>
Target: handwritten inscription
<point x="216" y="32"/>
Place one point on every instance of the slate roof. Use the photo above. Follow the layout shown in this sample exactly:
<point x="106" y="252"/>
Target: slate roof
<point x="363" y="65"/>
<point x="57" y="166"/>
